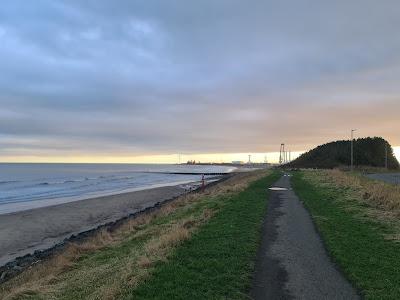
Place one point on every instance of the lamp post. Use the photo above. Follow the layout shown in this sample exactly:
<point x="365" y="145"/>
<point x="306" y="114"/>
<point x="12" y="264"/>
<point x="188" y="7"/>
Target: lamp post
<point x="352" y="149"/>
<point x="386" y="155"/>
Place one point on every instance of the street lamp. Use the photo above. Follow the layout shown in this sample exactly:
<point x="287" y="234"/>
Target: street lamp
<point x="352" y="149"/>
<point x="386" y="155"/>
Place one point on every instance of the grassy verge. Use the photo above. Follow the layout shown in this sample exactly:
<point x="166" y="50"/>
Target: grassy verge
<point x="112" y="264"/>
<point x="360" y="235"/>
<point x="217" y="262"/>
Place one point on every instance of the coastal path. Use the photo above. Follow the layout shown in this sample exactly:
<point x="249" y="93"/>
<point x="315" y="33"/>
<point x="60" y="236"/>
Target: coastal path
<point x="292" y="262"/>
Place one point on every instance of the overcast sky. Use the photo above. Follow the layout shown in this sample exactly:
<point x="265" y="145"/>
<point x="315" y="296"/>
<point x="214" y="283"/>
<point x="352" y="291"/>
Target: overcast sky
<point x="126" y="78"/>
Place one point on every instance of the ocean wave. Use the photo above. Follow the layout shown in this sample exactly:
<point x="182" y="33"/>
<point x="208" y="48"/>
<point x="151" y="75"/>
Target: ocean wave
<point x="8" y="181"/>
<point x="65" y="181"/>
<point x="99" y="178"/>
<point x="50" y="183"/>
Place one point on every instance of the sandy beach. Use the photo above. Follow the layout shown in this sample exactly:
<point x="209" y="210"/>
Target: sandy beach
<point x="41" y="228"/>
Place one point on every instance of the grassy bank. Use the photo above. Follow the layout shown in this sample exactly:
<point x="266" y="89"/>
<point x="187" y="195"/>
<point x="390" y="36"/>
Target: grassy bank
<point x="216" y="263"/>
<point x="114" y="264"/>
<point x="358" y="220"/>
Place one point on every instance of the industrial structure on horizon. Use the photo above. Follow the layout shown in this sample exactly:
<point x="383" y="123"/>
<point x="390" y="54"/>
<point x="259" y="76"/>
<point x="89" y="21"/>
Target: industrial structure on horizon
<point x="284" y="156"/>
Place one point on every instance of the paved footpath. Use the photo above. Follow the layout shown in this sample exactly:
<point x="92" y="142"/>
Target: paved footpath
<point x="292" y="262"/>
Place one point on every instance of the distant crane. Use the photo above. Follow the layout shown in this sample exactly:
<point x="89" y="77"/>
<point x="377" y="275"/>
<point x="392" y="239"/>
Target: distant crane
<point x="282" y="158"/>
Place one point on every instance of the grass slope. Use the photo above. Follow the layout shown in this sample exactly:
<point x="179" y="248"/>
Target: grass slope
<point x="111" y="264"/>
<point x="217" y="262"/>
<point x="355" y="241"/>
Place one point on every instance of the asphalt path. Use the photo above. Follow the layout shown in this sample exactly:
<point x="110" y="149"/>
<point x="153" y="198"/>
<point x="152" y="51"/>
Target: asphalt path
<point x="292" y="262"/>
<point x="393" y="178"/>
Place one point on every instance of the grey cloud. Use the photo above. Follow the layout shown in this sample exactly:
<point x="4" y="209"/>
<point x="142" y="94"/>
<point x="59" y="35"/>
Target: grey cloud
<point x="206" y="76"/>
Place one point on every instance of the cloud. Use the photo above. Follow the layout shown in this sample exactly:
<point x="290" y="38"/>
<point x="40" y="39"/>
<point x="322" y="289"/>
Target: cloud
<point x="198" y="77"/>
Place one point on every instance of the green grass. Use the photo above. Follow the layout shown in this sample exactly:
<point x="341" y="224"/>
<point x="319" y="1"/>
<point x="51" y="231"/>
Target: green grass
<point x="218" y="261"/>
<point x="96" y="271"/>
<point x="356" y="242"/>
<point x="113" y="271"/>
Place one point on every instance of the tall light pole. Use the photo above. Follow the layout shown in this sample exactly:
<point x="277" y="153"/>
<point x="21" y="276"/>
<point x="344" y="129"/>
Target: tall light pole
<point x="386" y="155"/>
<point x="352" y="149"/>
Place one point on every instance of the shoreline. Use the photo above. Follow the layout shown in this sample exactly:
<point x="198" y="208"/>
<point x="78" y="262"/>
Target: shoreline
<point x="15" y="207"/>
<point x="50" y="255"/>
<point x="31" y="231"/>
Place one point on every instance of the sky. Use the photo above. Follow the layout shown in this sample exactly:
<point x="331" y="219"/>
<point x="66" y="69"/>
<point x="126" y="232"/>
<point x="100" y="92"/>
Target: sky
<point x="141" y="81"/>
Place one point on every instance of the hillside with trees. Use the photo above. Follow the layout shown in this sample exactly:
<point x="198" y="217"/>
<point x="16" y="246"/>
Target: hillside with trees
<point x="368" y="152"/>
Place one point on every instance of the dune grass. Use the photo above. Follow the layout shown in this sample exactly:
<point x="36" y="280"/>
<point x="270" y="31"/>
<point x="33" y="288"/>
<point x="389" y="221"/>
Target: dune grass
<point x="218" y="261"/>
<point x="111" y="264"/>
<point x="377" y="194"/>
<point x="357" y="220"/>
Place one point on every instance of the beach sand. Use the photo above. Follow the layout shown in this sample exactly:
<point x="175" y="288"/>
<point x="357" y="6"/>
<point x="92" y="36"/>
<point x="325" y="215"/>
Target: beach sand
<point x="41" y="228"/>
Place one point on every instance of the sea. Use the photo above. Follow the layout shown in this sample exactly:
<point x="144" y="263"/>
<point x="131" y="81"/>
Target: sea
<point x="25" y="186"/>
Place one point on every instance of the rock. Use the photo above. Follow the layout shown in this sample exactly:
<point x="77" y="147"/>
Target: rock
<point x="3" y="275"/>
<point x="17" y="268"/>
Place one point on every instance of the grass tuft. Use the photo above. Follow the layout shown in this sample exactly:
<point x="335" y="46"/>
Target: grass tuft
<point x="381" y="195"/>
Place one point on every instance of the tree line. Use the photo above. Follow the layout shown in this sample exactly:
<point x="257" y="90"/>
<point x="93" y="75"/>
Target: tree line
<point x="369" y="152"/>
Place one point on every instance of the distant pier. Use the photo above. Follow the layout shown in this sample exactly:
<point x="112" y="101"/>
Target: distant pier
<point x="194" y="173"/>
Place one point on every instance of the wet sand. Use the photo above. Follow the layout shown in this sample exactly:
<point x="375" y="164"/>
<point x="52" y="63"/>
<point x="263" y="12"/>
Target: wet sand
<point x="24" y="232"/>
